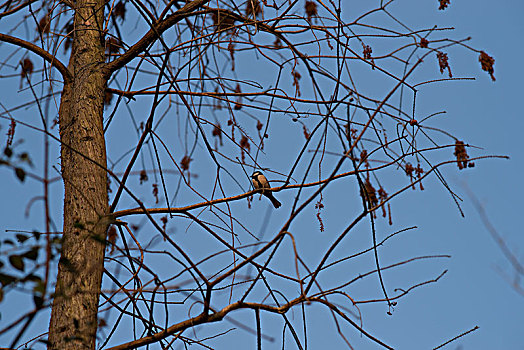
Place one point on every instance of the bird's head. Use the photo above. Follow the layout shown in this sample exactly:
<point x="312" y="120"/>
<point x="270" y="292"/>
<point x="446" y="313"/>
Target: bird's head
<point x="256" y="174"/>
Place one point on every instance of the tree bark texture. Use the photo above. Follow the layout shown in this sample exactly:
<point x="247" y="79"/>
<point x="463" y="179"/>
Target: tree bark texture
<point x="73" y="322"/>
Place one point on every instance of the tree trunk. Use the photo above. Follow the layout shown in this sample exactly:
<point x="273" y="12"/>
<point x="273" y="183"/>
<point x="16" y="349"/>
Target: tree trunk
<point x="73" y="322"/>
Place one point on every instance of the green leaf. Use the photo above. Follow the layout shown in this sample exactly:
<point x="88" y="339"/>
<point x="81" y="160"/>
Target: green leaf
<point x="21" y="238"/>
<point x="6" y="279"/>
<point x="17" y="262"/>
<point x="20" y="174"/>
<point x="31" y="254"/>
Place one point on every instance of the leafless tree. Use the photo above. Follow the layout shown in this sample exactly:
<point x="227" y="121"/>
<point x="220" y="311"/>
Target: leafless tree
<point x="163" y="112"/>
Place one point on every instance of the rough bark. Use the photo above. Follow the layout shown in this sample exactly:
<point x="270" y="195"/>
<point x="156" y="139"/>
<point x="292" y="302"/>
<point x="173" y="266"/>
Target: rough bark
<point x="73" y="322"/>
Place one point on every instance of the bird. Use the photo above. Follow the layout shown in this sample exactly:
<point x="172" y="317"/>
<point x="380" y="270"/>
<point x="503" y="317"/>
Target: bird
<point x="260" y="182"/>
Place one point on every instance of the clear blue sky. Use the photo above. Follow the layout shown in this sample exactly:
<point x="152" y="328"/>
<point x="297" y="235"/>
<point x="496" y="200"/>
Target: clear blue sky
<point x="476" y="290"/>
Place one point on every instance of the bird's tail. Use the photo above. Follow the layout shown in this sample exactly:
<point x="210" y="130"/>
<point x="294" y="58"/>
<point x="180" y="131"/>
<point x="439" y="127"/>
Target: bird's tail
<point x="273" y="200"/>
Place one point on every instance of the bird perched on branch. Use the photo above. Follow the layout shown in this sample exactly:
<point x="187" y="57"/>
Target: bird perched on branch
<point x="260" y="182"/>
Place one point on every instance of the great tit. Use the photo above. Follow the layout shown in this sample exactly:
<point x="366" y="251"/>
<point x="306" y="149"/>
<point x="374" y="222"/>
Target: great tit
<point x="260" y="181"/>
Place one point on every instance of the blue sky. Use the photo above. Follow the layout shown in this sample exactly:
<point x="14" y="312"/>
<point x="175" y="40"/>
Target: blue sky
<point x="476" y="289"/>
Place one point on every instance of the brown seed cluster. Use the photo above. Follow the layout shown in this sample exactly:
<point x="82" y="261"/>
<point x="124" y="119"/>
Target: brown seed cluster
<point x="155" y="192"/>
<point x="419" y="172"/>
<point x="296" y="77"/>
<point x="364" y="158"/>
<point x="311" y="10"/>
<point x="367" y="51"/>
<point x="443" y="4"/>
<point x="11" y="132"/>
<point x="231" y="50"/>
<point x="408" y="169"/>
<point x="164" y="222"/>
<point x="245" y="146"/>
<point x="487" y="62"/>
<point x="305" y="131"/>
<point x="253" y="8"/>
<point x="184" y="163"/>
<point x="238" y="104"/>
<point x="423" y="43"/>
<point x="27" y="68"/>
<point x="371" y="194"/>
<point x="120" y="10"/>
<point x="382" y="196"/>
<point x="217" y="132"/>
<point x="44" y="25"/>
<point x="319" y="206"/>
<point x="223" y="21"/>
<point x="413" y="173"/>
<point x="461" y="154"/>
<point x="143" y="176"/>
<point x="443" y="63"/>
<point x="244" y="143"/>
